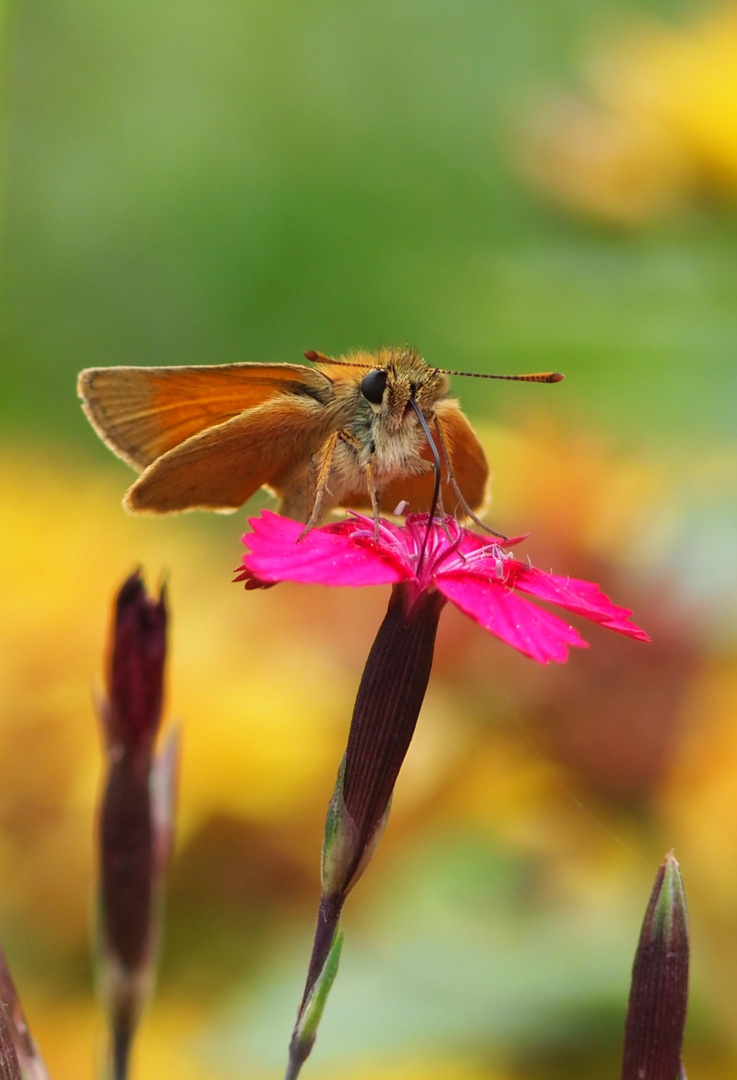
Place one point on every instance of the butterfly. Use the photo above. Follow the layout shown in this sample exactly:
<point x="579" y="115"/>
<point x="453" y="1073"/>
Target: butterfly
<point x="363" y="431"/>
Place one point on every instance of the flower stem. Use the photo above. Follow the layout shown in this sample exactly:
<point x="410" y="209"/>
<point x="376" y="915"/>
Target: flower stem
<point x="328" y="916"/>
<point x="312" y="1008"/>
<point x="388" y="703"/>
<point x="122" y="1042"/>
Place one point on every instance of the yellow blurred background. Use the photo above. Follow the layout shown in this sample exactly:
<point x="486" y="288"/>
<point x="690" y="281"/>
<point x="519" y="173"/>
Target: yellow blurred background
<point x="512" y="187"/>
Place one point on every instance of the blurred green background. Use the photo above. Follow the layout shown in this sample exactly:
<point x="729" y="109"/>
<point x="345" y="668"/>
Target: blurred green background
<point x="511" y="187"/>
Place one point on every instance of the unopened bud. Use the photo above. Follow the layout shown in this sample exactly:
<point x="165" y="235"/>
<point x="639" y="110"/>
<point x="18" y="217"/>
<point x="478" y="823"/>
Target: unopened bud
<point x="656" y="1014"/>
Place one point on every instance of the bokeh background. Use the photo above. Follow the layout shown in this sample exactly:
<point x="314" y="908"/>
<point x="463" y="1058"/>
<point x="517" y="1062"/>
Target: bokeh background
<point x="510" y="185"/>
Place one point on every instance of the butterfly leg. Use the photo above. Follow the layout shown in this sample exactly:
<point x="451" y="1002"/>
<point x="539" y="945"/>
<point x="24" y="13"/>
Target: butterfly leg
<point x="373" y="495"/>
<point x="350" y="440"/>
<point x="454" y="484"/>
<point x="324" y="461"/>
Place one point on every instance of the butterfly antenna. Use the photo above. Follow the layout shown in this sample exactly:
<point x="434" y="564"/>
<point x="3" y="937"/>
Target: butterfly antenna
<point x="540" y="376"/>
<point x="436" y="465"/>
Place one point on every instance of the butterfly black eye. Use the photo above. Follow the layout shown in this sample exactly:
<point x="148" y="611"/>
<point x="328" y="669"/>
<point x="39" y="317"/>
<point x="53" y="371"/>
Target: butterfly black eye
<point x="373" y="386"/>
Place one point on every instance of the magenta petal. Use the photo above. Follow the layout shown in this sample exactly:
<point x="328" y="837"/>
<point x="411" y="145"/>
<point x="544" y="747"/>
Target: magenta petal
<point x="581" y="597"/>
<point x="529" y="629"/>
<point x="324" y="556"/>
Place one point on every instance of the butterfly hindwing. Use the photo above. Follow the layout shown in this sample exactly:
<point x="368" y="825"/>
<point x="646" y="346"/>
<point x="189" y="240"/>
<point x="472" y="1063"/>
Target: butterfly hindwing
<point x="222" y="466"/>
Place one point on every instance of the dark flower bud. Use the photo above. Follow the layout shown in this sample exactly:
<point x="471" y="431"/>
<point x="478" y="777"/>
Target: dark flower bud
<point x="656" y="1014"/>
<point x="135" y="681"/>
<point x="136" y="815"/>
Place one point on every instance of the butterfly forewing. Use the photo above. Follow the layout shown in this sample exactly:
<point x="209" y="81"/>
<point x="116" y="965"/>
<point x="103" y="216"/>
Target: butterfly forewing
<point x="142" y="413"/>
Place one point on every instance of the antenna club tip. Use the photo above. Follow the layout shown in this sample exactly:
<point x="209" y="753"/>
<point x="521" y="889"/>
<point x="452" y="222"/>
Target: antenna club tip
<point x="555" y="376"/>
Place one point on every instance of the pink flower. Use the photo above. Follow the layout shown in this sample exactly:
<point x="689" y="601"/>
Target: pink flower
<point x="427" y="562"/>
<point x="476" y="573"/>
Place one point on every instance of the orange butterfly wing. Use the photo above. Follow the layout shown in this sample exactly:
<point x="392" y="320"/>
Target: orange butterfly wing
<point x="467" y="456"/>
<point x="221" y="467"/>
<point x="142" y="413"/>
